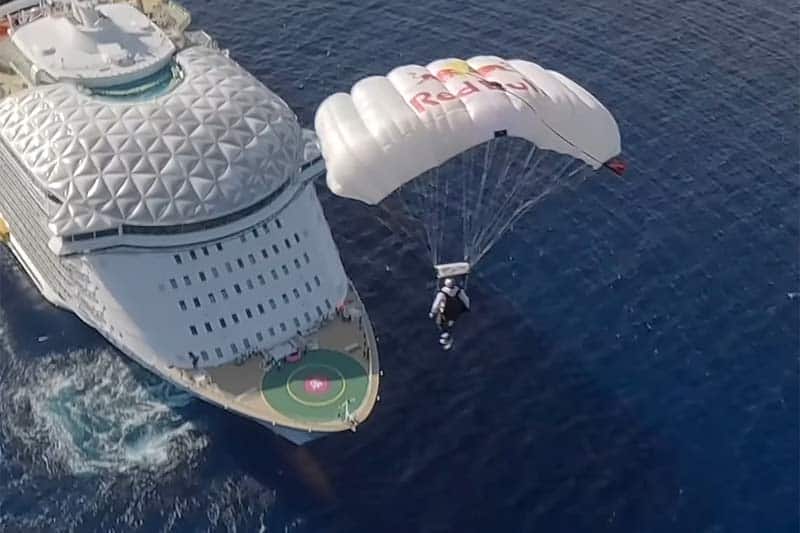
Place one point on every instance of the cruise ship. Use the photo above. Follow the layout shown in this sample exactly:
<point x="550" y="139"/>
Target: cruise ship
<point x="152" y="186"/>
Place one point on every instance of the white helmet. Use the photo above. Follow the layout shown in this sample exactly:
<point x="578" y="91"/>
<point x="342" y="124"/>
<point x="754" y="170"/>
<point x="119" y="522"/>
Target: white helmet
<point x="449" y="283"/>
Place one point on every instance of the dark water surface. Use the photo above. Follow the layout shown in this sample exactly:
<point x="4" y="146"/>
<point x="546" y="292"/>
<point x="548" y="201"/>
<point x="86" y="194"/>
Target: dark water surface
<point x="632" y="364"/>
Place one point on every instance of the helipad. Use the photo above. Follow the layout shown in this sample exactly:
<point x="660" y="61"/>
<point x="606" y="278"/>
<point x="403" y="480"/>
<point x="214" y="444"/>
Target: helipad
<point x="323" y="385"/>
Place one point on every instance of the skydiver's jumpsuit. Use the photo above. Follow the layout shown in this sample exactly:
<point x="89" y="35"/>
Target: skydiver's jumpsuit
<point x="448" y="305"/>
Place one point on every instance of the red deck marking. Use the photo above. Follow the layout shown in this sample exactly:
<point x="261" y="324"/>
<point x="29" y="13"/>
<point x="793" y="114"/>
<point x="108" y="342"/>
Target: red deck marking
<point x="317" y="385"/>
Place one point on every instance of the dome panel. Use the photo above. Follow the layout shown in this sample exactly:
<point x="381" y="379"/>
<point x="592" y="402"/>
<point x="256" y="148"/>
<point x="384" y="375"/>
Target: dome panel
<point x="216" y="142"/>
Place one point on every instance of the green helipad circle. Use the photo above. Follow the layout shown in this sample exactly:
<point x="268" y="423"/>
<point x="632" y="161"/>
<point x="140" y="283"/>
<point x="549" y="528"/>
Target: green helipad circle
<point x="317" y="387"/>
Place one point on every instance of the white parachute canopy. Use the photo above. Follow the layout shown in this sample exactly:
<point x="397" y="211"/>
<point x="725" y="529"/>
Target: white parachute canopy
<point x="465" y="148"/>
<point x="392" y="128"/>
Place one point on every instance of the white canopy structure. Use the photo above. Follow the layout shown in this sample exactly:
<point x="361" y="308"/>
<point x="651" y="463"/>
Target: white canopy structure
<point x="389" y="129"/>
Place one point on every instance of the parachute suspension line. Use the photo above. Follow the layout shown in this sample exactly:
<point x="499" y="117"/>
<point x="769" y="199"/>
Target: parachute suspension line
<point x="420" y="192"/>
<point x="491" y="230"/>
<point x="488" y="154"/>
<point x="466" y="221"/>
<point x="527" y="172"/>
<point x="500" y="227"/>
<point x="436" y="214"/>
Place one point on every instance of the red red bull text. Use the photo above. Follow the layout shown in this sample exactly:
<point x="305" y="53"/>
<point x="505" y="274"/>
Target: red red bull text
<point x="425" y="98"/>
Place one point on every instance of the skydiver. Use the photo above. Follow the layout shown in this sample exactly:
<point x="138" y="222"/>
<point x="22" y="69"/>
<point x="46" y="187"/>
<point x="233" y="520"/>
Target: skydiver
<point x="450" y="302"/>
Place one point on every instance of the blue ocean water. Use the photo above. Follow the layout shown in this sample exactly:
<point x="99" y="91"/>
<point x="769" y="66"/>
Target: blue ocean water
<point x="632" y="364"/>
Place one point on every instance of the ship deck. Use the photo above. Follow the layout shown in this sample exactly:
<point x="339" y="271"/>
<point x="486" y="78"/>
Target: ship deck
<point x="333" y="386"/>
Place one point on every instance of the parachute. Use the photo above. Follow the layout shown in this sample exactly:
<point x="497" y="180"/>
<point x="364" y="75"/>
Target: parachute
<point x="465" y="147"/>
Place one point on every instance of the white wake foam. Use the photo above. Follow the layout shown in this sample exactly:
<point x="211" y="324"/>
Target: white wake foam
<point x="87" y="411"/>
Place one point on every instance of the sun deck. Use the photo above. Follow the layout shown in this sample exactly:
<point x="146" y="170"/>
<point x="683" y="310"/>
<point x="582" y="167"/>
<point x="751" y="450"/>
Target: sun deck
<point x="332" y="387"/>
<point x="17" y="71"/>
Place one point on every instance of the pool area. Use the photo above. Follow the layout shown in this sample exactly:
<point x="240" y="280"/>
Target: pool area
<point x="151" y="86"/>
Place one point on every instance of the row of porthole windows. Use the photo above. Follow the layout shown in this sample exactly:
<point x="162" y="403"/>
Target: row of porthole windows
<point x="187" y="280"/>
<point x="193" y="329"/>
<point x="205" y="250"/>
<point x="212" y="298"/>
<point x="259" y="336"/>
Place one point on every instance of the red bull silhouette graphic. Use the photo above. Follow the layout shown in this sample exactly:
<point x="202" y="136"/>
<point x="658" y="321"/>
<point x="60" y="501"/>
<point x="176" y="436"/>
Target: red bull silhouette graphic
<point x="488" y="69"/>
<point x="424" y="99"/>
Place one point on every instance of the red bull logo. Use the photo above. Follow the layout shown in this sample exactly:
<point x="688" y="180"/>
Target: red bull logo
<point x="424" y="99"/>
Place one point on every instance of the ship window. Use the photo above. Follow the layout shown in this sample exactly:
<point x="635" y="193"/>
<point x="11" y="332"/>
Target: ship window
<point x="278" y="223"/>
<point x="246" y="343"/>
<point x="173" y="283"/>
<point x="308" y="317"/>
<point x="228" y="267"/>
<point x="178" y="260"/>
<point x="327" y="303"/>
<point x="223" y="323"/>
<point x="234" y="349"/>
<point x="202" y="276"/>
<point x="192" y="254"/>
<point x="272" y="304"/>
<point x="237" y="288"/>
<point x="193" y="330"/>
<point x="260" y="309"/>
<point x="205" y="250"/>
<point x="271" y="332"/>
<point x="208" y="327"/>
<point x="297" y="264"/>
<point x="204" y="355"/>
<point x="214" y="272"/>
<point x="196" y="302"/>
<point x="187" y="281"/>
<point x="297" y="237"/>
<point x="285" y="298"/>
<point x="182" y="305"/>
<point x="264" y="253"/>
<point x="255" y="233"/>
<point x="265" y="227"/>
<point x="261" y="279"/>
<point x="274" y="274"/>
<point x="212" y="298"/>
<point x="259" y="337"/>
<point x="296" y="322"/>
<point x="296" y="293"/>
<point x="240" y="262"/>
<point x="305" y="256"/>
<point x="319" y="310"/>
<point x="224" y="293"/>
<point x="275" y="249"/>
<point x="316" y="280"/>
<point x="219" y="352"/>
<point x="308" y="286"/>
<point x="235" y="318"/>
<point x="252" y="259"/>
<point x="219" y="246"/>
<point x="249" y="284"/>
<point x="248" y="312"/>
<point x="243" y="237"/>
<point x="285" y="269"/>
<point x="287" y="243"/>
<point x="283" y="326"/>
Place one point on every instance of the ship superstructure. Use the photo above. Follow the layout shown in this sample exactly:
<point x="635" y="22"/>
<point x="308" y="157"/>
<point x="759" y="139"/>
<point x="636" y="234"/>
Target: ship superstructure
<point x="155" y="188"/>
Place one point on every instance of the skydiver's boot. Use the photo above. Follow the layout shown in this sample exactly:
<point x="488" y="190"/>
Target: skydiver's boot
<point x="444" y="338"/>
